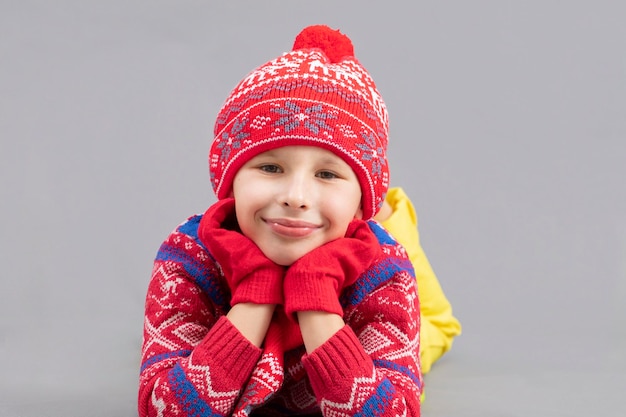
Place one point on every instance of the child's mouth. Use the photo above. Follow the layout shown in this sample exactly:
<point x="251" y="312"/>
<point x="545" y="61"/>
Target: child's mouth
<point x="291" y="228"/>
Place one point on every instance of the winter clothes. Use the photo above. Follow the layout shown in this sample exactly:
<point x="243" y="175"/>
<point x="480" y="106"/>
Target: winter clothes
<point x="196" y="363"/>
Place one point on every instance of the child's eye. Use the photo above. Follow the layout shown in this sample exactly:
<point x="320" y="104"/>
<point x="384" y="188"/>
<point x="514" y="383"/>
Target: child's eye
<point x="327" y="175"/>
<point x="270" y="168"/>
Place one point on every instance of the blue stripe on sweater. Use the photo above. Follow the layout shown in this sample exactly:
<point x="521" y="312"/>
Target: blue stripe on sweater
<point x="167" y="355"/>
<point x="199" y="273"/>
<point x="378" y="404"/>
<point x="383" y="236"/>
<point x="190" y="227"/>
<point x="371" y="279"/>
<point x="187" y="395"/>
<point x="395" y="367"/>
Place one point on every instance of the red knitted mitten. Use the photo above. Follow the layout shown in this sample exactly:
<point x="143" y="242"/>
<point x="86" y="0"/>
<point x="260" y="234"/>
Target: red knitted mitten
<point x="251" y="276"/>
<point x="314" y="282"/>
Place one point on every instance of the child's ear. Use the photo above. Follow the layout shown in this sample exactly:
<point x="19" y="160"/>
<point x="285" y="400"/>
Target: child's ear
<point x="359" y="214"/>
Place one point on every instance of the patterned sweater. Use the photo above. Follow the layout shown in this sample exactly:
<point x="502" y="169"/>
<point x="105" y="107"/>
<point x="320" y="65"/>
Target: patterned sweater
<point x="196" y="363"/>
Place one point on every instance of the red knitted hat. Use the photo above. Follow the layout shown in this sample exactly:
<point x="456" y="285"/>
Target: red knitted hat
<point x="318" y="95"/>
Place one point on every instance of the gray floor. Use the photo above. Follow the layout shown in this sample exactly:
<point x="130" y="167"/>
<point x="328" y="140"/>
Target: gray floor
<point x="508" y="129"/>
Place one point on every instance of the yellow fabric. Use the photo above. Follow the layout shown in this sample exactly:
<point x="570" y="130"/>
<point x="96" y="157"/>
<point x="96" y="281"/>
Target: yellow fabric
<point x="438" y="325"/>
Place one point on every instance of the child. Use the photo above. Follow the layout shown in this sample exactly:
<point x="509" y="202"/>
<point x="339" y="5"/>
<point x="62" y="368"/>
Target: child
<point x="284" y="297"/>
<point x="438" y="326"/>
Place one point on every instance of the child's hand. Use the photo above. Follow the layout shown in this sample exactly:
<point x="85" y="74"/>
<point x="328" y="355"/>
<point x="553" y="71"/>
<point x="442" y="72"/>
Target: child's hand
<point x="314" y="282"/>
<point x="251" y="276"/>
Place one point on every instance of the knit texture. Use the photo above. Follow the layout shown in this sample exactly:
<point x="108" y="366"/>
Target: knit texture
<point x="316" y="95"/>
<point x="195" y="363"/>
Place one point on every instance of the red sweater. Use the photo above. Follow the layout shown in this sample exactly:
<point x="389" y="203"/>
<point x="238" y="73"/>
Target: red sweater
<point x="196" y="363"/>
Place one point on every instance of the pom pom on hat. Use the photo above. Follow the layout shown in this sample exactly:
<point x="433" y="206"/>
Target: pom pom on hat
<point x="318" y="94"/>
<point x="335" y="44"/>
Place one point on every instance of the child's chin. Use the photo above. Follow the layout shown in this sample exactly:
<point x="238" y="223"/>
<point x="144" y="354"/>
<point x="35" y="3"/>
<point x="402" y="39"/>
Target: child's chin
<point x="282" y="258"/>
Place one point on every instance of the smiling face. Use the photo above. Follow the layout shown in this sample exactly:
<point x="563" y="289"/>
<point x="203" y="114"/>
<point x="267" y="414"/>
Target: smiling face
<point x="293" y="199"/>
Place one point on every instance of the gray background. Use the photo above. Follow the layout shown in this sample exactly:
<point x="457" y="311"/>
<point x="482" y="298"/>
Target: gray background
<point x="508" y="129"/>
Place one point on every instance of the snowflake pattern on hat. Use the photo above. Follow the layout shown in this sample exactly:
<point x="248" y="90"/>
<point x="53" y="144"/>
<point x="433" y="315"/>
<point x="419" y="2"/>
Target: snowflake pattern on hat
<point x="232" y="140"/>
<point x="372" y="152"/>
<point x="313" y="118"/>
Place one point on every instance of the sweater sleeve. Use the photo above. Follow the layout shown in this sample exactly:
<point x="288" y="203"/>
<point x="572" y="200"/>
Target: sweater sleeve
<point x="439" y="326"/>
<point x="194" y="361"/>
<point x="371" y="366"/>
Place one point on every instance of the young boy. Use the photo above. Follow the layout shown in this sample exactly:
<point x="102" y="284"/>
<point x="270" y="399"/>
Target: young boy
<point x="284" y="297"/>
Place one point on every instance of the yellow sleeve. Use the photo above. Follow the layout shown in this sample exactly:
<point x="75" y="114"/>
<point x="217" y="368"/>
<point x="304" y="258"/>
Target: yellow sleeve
<point x="438" y="325"/>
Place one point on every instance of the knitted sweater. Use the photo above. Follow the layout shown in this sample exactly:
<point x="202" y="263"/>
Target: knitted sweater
<point x="196" y="363"/>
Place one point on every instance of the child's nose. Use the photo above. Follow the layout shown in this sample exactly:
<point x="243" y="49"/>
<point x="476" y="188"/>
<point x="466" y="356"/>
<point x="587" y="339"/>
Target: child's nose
<point x="296" y="193"/>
